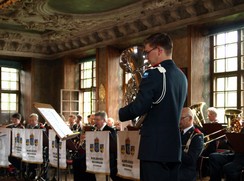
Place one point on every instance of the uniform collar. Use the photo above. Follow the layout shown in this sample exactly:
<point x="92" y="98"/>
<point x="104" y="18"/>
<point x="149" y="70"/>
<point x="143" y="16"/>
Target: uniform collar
<point x="187" y="129"/>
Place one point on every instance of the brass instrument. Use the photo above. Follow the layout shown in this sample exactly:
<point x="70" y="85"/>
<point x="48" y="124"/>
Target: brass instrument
<point x="197" y="109"/>
<point x="132" y="61"/>
<point x="233" y="126"/>
<point x="233" y="117"/>
<point x="82" y="142"/>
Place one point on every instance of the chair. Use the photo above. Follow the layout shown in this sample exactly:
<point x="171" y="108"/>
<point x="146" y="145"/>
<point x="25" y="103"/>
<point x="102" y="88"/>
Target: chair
<point x="201" y="160"/>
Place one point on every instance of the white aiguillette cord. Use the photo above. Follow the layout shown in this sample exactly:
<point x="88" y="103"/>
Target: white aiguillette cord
<point x="163" y="71"/>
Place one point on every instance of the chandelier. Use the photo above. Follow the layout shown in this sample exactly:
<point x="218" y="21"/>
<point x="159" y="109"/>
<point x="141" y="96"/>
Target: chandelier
<point x="6" y="3"/>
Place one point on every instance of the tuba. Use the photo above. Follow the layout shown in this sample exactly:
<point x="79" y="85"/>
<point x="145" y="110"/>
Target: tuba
<point x="233" y="117"/>
<point x="133" y="62"/>
<point x="198" y="111"/>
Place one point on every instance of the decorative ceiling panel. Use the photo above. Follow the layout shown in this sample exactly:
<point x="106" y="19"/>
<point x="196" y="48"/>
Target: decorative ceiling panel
<point x="53" y="28"/>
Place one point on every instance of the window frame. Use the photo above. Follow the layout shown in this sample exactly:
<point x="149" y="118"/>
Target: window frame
<point x="239" y="73"/>
<point x="91" y="89"/>
<point x="7" y="113"/>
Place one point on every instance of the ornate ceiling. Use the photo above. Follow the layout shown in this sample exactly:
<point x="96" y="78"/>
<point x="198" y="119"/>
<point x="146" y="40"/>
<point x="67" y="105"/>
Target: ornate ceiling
<point x="50" y="29"/>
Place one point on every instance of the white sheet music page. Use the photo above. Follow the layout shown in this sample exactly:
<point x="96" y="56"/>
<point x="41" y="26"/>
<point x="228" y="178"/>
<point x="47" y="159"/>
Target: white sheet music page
<point x="56" y="122"/>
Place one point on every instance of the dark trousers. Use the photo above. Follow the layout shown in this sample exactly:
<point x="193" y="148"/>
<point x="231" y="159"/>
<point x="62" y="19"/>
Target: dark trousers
<point x="233" y="169"/>
<point x="79" y="170"/>
<point x="16" y="162"/>
<point x="216" y="163"/>
<point x="159" y="171"/>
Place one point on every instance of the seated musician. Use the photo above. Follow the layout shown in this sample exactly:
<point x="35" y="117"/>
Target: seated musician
<point x="213" y="145"/>
<point x="79" y="157"/>
<point x="72" y="122"/>
<point x="90" y="119"/>
<point x="32" y="123"/>
<point x="79" y="123"/>
<point x="16" y="119"/>
<point x="228" y="164"/>
<point x="101" y="125"/>
<point x="192" y="145"/>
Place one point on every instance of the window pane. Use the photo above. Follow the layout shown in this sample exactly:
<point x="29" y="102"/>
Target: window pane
<point x="220" y="100"/>
<point x="231" y="83"/>
<point x="87" y="84"/>
<point x="9" y="79"/>
<point x="242" y="98"/>
<point x="231" y="37"/>
<point x="242" y="63"/>
<point x="221" y="115"/>
<point x="220" y="39"/>
<point x="219" y="52"/>
<point x="9" y="102"/>
<point x="231" y="50"/>
<point x="242" y="48"/>
<point x="219" y="65"/>
<point x="220" y="84"/>
<point x="231" y="98"/>
<point x="87" y="74"/>
<point x="231" y="64"/>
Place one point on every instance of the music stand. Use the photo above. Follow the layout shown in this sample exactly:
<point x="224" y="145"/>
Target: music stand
<point x="236" y="142"/>
<point x="61" y="129"/>
<point x="213" y="130"/>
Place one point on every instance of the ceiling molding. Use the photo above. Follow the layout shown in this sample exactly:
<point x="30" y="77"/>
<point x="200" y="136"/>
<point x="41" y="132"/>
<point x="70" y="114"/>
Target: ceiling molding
<point x="30" y="28"/>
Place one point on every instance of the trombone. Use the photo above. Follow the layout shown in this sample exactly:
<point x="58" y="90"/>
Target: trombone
<point x="233" y="126"/>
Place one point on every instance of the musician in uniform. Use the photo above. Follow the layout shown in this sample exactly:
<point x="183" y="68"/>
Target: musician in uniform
<point x="16" y="123"/>
<point x="161" y="96"/>
<point x="79" y="123"/>
<point x="192" y="145"/>
<point x="33" y="123"/>
<point x="228" y="164"/>
<point x="100" y="122"/>
<point x="72" y="122"/>
<point x="79" y="156"/>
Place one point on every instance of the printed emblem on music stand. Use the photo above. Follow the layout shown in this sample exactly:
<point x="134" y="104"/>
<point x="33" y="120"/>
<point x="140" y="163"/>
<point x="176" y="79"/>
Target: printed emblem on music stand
<point x="91" y="147"/>
<point x="18" y="139"/>
<point x="101" y="148"/>
<point x="27" y="142"/>
<point x="132" y="150"/>
<point x="31" y="141"/>
<point x="55" y="144"/>
<point x="96" y="144"/>
<point x="127" y="148"/>
<point x="122" y="150"/>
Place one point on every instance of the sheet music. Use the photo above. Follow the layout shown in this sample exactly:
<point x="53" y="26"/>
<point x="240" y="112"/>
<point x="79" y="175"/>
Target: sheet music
<point x="56" y="122"/>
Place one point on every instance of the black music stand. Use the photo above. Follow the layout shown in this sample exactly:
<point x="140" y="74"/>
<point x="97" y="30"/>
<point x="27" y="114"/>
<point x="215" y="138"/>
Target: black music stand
<point x="236" y="142"/>
<point x="61" y="129"/>
<point x="215" y="130"/>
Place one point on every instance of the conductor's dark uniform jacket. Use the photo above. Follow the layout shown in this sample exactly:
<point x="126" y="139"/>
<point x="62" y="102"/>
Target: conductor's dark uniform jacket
<point x="160" y="136"/>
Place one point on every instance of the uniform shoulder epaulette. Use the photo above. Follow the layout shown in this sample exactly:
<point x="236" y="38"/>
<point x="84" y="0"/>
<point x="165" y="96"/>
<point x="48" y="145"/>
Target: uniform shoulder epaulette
<point x="196" y="130"/>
